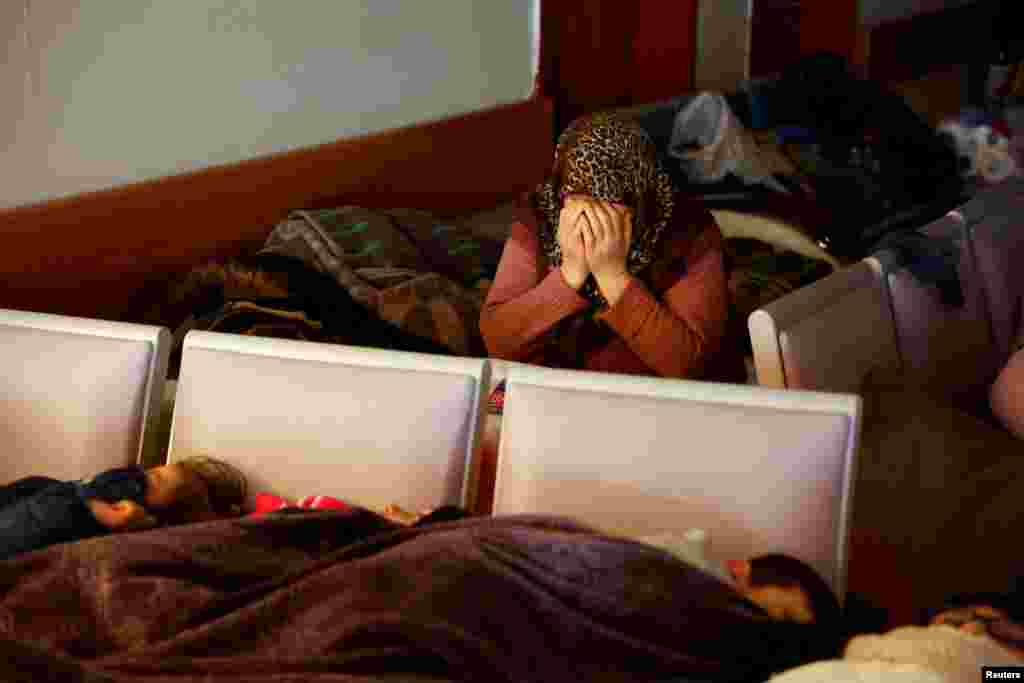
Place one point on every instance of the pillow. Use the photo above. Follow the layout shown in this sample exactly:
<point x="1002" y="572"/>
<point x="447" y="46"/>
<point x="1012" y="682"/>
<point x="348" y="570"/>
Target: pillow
<point x="690" y="547"/>
<point x="858" y="671"/>
<point x="908" y="653"/>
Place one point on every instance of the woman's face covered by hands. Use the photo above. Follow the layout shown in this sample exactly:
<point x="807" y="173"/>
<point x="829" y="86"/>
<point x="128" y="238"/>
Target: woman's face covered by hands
<point x="606" y="188"/>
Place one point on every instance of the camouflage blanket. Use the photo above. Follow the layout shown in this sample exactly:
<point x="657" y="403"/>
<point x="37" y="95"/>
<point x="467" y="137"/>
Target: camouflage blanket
<point x="411" y="269"/>
<point x="397" y="279"/>
<point x="270" y="295"/>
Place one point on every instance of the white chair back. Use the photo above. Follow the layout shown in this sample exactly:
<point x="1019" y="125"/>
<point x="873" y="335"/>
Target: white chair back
<point x="760" y="470"/>
<point x="370" y="426"/>
<point x="78" y="396"/>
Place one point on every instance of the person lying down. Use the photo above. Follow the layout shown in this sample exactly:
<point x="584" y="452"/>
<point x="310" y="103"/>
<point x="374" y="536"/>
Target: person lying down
<point x="348" y="595"/>
<point x="784" y="587"/>
<point x="36" y="512"/>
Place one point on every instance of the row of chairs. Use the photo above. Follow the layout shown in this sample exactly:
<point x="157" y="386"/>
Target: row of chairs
<point x="759" y="469"/>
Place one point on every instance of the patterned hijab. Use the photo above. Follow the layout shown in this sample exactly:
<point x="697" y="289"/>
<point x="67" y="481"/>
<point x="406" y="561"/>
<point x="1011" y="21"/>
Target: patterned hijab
<point x="610" y="158"/>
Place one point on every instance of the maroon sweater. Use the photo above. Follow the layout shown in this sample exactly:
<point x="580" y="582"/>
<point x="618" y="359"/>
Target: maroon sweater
<point x="673" y="329"/>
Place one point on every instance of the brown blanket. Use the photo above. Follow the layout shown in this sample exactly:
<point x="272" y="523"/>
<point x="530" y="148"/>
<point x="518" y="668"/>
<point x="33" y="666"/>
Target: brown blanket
<point x="289" y="598"/>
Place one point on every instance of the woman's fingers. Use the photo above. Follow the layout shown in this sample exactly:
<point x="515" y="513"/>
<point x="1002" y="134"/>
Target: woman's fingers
<point x="567" y="221"/>
<point x="603" y="226"/>
<point x="599" y="222"/>
<point x="573" y="211"/>
<point x="587" y="233"/>
<point x="627" y="224"/>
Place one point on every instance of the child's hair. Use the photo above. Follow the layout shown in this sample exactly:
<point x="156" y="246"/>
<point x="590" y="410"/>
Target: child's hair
<point x="825" y="637"/>
<point x="785" y="571"/>
<point x="225" y="484"/>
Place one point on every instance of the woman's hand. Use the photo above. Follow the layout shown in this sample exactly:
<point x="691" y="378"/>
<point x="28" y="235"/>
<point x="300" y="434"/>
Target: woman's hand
<point x="574" y="262"/>
<point x="607" y="232"/>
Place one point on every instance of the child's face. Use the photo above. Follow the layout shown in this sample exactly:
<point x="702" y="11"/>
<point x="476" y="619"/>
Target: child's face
<point x="785" y="603"/>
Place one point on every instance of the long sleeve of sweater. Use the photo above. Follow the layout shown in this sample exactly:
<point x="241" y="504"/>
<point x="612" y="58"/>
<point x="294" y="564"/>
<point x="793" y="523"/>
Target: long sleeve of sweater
<point x="675" y="335"/>
<point x="525" y="300"/>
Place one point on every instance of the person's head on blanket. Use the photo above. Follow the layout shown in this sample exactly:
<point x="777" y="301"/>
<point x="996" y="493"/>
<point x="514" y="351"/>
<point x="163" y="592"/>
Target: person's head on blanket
<point x="787" y="589"/>
<point x="195" y="489"/>
<point x="37" y="512"/>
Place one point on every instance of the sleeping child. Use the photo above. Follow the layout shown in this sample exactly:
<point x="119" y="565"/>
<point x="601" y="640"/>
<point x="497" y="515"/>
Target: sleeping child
<point x="36" y="512"/>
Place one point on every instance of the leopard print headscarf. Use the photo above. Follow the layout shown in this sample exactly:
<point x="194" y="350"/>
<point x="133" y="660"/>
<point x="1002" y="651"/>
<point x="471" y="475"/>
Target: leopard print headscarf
<point x="610" y="158"/>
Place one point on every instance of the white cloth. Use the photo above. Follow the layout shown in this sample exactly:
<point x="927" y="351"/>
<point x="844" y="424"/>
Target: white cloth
<point x="910" y="653"/>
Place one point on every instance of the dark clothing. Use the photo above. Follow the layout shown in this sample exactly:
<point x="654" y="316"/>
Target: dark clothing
<point x="24" y="488"/>
<point x="37" y="512"/>
<point x="931" y="260"/>
<point x="120" y="483"/>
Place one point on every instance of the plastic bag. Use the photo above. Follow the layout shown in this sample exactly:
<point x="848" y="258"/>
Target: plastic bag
<point x="711" y="143"/>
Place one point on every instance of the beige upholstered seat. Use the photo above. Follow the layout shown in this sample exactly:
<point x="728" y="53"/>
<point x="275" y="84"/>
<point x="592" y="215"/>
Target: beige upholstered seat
<point x="759" y="469"/>
<point x="370" y="426"/>
<point x="77" y="395"/>
<point x="828" y="335"/>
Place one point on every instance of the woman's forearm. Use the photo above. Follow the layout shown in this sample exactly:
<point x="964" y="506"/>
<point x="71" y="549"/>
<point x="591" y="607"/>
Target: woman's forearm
<point x="512" y="327"/>
<point x="674" y="335"/>
<point x="526" y="299"/>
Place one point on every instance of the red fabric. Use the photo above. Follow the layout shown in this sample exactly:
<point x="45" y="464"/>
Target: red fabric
<point x="673" y="331"/>
<point x="322" y="503"/>
<point x="268" y="502"/>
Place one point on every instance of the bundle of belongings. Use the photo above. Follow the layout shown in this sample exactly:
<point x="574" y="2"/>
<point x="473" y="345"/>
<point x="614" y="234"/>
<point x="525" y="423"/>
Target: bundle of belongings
<point x="395" y="279"/>
<point x="983" y="145"/>
<point x="834" y="152"/>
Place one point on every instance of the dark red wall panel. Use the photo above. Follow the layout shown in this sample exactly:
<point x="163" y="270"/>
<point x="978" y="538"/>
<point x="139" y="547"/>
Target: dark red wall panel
<point x="599" y="54"/>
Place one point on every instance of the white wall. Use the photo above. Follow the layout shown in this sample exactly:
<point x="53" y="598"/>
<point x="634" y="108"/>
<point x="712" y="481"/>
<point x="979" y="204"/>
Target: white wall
<point x="877" y="11"/>
<point x="104" y="92"/>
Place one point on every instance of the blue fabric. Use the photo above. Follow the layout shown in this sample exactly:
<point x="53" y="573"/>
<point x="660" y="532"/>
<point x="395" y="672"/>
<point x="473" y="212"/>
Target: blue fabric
<point x="37" y="512"/>
<point x="56" y="514"/>
<point x="120" y="483"/>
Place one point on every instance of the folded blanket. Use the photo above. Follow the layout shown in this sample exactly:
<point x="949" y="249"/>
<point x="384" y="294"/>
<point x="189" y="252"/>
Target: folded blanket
<point x="403" y="266"/>
<point x="398" y="279"/>
<point x="271" y="295"/>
